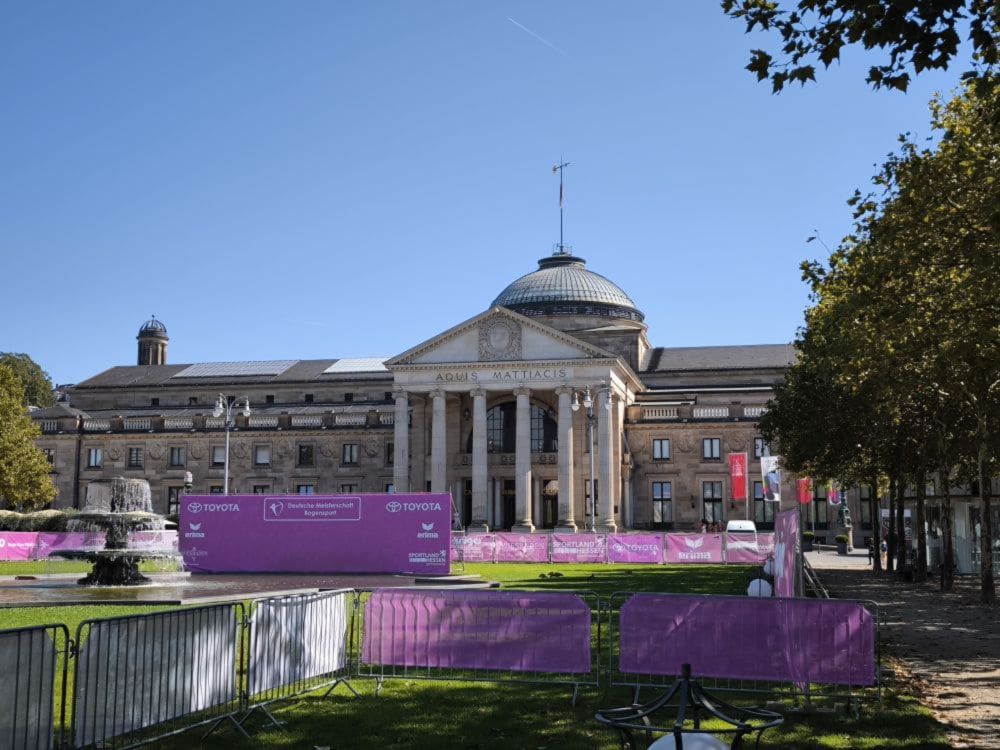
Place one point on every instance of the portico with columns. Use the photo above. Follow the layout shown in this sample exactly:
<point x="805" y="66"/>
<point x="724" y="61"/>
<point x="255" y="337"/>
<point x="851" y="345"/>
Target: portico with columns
<point x="493" y="400"/>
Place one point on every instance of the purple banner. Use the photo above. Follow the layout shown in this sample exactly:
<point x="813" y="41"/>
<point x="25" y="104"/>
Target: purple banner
<point x="635" y="548"/>
<point x="472" y="547"/>
<point x="694" y="548"/>
<point x="493" y="630"/>
<point x="522" y="547"/>
<point x="744" y="638"/>
<point x="786" y="539"/>
<point x="39" y="545"/>
<point x="579" y="548"/>
<point x="316" y="533"/>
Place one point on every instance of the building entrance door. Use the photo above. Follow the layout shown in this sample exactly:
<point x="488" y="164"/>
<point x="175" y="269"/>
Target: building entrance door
<point x="508" y="504"/>
<point x="550" y="511"/>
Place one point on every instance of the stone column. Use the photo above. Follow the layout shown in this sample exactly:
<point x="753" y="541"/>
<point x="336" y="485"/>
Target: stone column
<point x="566" y="522"/>
<point x="401" y="442"/>
<point x="479" y="522"/>
<point x="439" y="444"/>
<point x="522" y="462"/>
<point x="605" y="451"/>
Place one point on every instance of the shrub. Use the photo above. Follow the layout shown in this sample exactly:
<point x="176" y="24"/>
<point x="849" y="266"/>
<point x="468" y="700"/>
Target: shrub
<point x="840" y="539"/>
<point x="9" y="520"/>
<point x="807" y="535"/>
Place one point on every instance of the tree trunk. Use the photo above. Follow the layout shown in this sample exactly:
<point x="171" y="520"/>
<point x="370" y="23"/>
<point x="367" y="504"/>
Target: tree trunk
<point x="947" y="533"/>
<point x="988" y="592"/>
<point x="920" y="568"/>
<point x="902" y="549"/>
<point x="875" y="510"/>
<point x="890" y="556"/>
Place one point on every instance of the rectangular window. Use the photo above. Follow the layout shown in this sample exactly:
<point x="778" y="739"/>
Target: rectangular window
<point x="819" y="508"/>
<point x="759" y="447"/>
<point x="388" y="396"/>
<point x="192" y="400"/>
<point x="95" y="458"/>
<point x="305" y="489"/>
<point x="154" y="402"/>
<point x="173" y="500"/>
<point x="348" y="397"/>
<point x="390" y="488"/>
<point x="309" y="398"/>
<point x="135" y="458"/>
<point x="218" y="455"/>
<point x="661" y="449"/>
<point x="215" y="489"/>
<point x="269" y="398"/>
<point x="262" y="455"/>
<point x="711" y="500"/>
<point x="349" y="453"/>
<point x="307" y="454"/>
<point x="711" y="449"/>
<point x="261" y="489"/>
<point x="177" y="455"/>
<point x="390" y="453"/>
<point x="662" y="494"/>
<point x="348" y="488"/>
<point x="763" y="511"/>
<point x="865" y="504"/>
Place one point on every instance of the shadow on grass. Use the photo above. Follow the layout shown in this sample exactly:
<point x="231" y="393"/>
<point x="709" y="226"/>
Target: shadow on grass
<point x="416" y="715"/>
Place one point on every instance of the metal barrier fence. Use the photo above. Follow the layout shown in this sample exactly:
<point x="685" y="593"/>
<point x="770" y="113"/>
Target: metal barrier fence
<point x="540" y="638"/>
<point x="31" y="698"/>
<point x="145" y="677"/>
<point x="298" y="644"/>
<point x="746" y="634"/>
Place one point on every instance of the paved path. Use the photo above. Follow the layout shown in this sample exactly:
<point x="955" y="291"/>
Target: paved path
<point x="949" y="643"/>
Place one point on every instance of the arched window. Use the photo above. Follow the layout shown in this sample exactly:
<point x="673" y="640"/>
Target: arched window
<point x="501" y="430"/>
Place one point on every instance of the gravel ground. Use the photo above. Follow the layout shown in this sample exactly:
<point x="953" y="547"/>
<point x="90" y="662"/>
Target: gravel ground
<point x="946" y="646"/>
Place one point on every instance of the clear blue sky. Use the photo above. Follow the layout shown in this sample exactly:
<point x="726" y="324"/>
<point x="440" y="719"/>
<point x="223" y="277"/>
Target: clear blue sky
<point x="331" y="179"/>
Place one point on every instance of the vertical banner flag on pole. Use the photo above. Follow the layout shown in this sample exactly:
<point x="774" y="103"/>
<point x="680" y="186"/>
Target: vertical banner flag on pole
<point x="804" y="490"/>
<point x="832" y="493"/>
<point x="738" y="476"/>
<point x="771" y="475"/>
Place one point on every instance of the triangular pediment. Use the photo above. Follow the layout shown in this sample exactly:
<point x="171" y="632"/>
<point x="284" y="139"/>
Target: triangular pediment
<point x="499" y="335"/>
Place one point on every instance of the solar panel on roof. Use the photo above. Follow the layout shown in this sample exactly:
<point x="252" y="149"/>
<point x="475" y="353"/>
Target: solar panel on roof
<point x="357" y="364"/>
<point x="235" y="369"/>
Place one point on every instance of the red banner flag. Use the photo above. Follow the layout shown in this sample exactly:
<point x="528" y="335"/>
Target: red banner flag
<point x="804" y="490"/>
<point x="738" y="475"/>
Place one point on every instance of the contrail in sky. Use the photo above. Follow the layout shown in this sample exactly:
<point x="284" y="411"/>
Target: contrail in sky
<point x="540" y="38"/>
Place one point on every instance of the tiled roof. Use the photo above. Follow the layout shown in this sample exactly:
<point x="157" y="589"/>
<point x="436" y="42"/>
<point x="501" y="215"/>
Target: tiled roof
<point x="751" y="356"/>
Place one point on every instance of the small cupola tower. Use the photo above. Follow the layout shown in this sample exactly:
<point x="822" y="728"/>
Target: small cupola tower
<point x="153" y="340"/>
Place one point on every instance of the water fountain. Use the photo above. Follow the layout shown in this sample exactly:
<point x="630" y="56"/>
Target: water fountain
<point x="116" y="507"/>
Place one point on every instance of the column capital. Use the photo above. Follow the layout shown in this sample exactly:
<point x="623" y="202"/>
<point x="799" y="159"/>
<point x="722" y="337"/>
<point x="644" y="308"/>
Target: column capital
<point x="566" y="390"/>
<point x="476" y="392"/>
<point x="522" y="390"/>
<point x="400" y="393"/>
<point x="436" y="393"/>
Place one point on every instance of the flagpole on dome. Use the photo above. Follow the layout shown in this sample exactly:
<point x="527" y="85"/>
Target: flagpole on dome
<point x="559" y="168"/>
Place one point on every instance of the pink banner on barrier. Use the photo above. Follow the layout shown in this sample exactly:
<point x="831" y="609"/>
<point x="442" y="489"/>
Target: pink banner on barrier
<point x="694" y="548"/>
<point x="522" y="547"/>
<point x="635" y="548"/>
<point x="472" y="547"/>
<point x="494" y="630"/>
<point x="579" y="548"/>
<point x="390" y="533"/>
<point x="748" y="549"/>
<point x="786" y="539"/>
<point x="39" y="545"/>
<point x="744" y="638"/>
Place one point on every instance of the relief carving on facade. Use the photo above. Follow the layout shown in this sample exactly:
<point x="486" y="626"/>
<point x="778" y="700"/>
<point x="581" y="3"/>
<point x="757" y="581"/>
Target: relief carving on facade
<point x="114" y="453"/>
<point x="499" y="339"/>
<point x="371" y="447"/>
<point x="736" y="443"/>
<point x="326" y="448"/>
<point x="240" y="450"/>
<point x="196" y="451"/>
<point x="156" y="451"/>
<point x="685" y="443"/>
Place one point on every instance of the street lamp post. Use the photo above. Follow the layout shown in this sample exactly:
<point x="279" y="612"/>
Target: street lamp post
<point x="588" y="404"/>
<point x="224" y="406"/>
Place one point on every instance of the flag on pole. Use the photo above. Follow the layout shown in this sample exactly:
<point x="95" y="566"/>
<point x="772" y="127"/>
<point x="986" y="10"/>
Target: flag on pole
<point x="771" y="475"/>
<point x="803" y="488"/>
<point x="833" y="493"/>
<point x="738" y="476"/>
<point x="560" y="194"/>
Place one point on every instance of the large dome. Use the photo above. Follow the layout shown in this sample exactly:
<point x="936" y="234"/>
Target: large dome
<point x="562" y="285"/>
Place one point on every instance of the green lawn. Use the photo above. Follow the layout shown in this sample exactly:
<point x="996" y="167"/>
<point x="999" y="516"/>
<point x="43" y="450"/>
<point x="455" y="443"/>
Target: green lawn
<point x="421" y="715"/>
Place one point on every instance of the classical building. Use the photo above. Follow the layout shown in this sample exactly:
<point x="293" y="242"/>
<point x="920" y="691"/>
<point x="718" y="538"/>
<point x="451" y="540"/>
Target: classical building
<point x="547" y="399"/>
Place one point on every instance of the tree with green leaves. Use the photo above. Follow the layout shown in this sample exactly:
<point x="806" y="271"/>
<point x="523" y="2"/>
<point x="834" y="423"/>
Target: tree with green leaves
<point x="37" y="383"/>
<point x="25" y="483"/>
<point x="917" y="35"/>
